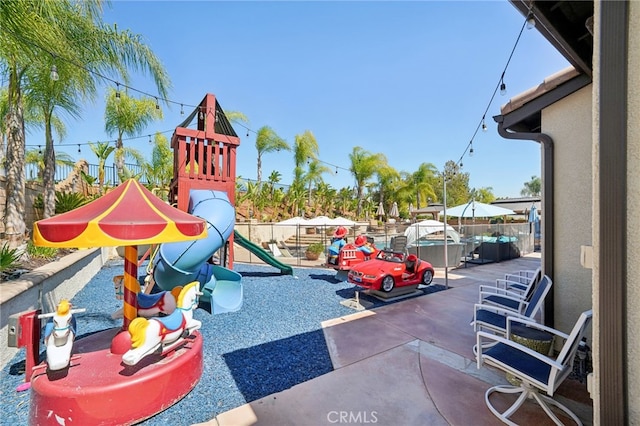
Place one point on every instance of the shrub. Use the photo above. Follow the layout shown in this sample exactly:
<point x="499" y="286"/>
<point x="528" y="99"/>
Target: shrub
<point x="8" y="257"/>
<point x="315" y="248"/>
<point x="41" y="252"/>
<point x="65" y="201"/>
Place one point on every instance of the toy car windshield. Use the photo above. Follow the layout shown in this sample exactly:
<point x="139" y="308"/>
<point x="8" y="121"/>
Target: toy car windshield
<point x="391" y="256"/>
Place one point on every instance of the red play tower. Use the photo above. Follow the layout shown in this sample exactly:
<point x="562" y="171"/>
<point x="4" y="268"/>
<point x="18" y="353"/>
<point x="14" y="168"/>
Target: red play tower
<point x="205" y="158"/>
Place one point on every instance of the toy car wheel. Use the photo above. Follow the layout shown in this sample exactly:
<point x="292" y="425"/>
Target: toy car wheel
<point x="388" y="284"/>
<point x="427" y="277"/>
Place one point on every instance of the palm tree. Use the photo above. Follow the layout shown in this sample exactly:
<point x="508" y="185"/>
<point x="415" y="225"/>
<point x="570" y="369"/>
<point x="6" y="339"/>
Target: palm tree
<point x="73" y="34"/>
<point x="159" y="171"/>
<point x="268" y="141"/>
<point x="423" y="181"/>
<point x="125" y="115"/>
<point x="36" y="157"/>
<point x="305" y="149"/>
<point x="314" y="176"/>
<point x="532" y="188"/>
<point x="102" y="150"/>
<point x="364" y="165"/>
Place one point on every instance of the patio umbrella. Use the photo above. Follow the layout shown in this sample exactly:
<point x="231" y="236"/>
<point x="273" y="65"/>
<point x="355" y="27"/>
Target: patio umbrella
<point x="293" y="221"/>
<point x="380" y="211"/>
<point x="477" y="209"/>
<point x="394" y="210"/>
<point x="127" y="216"/>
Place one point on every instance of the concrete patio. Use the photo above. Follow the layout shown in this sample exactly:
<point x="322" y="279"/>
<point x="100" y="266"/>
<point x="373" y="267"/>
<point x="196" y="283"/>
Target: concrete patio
<point x="407" y="363"/>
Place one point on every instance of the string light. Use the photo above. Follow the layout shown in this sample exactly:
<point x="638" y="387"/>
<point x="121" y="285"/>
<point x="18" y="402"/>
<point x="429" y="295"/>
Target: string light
<point x="117" y="91"/>
<point x="157" y="104"/>
<point x="503" y="90"/>
<point x="79" y="150"/>
<point x="54" y="73"/>
<point x="150" y="139"/>
<point x="181" y="109"/>
<point x="531" y="22"/>
<point x="39" y="150"/>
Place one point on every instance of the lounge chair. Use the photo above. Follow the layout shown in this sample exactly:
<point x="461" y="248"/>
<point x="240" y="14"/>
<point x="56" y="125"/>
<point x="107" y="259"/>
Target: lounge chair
<point x="494" y="318"/>
<point x="520" y="281"/>
<point x="284" y="249"/>
<point x="508" y="298"/>
<point x="535" y="371"/>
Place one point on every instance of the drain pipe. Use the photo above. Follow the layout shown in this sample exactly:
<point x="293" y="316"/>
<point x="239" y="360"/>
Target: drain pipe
<point x="547" y="204"/>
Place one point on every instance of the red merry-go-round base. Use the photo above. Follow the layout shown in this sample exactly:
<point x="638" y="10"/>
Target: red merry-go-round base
<point x="99" y="389"/>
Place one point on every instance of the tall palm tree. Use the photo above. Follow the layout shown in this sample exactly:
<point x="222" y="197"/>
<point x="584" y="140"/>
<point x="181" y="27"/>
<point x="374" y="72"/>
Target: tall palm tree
<point x="313" y="176"/>
<point x="102" y="150"/>
<point x="364" y="165"/>
<point x="159" y="171"/>
<point x="305" y="149"/>
<point x="36" y="157"/>
<point x="424" y="180"/>
<point x="125" y="115"/>
<point x="73" y="35"/>
<point x="268" y="141"/>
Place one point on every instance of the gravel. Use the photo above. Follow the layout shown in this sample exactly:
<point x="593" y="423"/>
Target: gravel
<point x="273" y="343"/>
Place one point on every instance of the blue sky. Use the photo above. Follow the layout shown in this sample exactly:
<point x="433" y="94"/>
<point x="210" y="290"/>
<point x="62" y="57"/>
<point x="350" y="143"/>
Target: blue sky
<point x="407" y="79"/>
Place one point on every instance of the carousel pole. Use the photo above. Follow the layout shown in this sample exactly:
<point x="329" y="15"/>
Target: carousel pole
<point x="131" y="285"/>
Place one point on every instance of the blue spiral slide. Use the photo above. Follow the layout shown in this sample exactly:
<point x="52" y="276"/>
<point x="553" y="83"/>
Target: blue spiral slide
<point x="177" y="264"/>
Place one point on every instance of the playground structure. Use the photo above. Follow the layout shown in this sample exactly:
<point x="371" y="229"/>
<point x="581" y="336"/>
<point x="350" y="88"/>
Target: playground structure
<point x="95" y="387"/>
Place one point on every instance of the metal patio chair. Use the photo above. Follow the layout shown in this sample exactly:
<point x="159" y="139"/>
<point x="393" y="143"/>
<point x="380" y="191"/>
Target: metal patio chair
<point x="538" y="374"/>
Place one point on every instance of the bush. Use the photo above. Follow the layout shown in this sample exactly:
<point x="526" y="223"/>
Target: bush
<point x="315" y="248"/>
<point x="41" y="252"/>
<point x="65" y="201"/>
<point x="8" y="257"/>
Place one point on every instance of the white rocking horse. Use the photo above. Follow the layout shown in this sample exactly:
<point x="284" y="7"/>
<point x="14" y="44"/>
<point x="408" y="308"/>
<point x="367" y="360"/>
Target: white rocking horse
<point x="164" y="333"/>
<point x="149" y="305"/>
<point x="59" y="334"/>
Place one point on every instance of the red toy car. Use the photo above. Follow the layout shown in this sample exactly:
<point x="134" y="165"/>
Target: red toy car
<point x="390" y="269"/>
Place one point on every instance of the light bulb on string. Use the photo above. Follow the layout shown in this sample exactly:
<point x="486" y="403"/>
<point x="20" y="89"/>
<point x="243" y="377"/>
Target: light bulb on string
<point x="336" y="170"/>
<point x="484" y="125"/>
<point x="470" y="151"/>
<point x="79" y="150"/>
<point x="117" y="91"/>
<point x="181" y="109"/>
<point x="157" y="105"/>
<point x="54" y="73"/>
<point x="201" y="115"/>
<point x="248" y="135"/>
<point x="503" y="87"/>
<point x="531" y="21"/>
<point x="39" y="149"/>
<point x="150" y="139"/>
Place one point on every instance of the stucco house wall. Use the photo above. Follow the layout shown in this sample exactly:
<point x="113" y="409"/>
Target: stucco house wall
<point x="569" y="123"/>
<point x="633" y="219"/>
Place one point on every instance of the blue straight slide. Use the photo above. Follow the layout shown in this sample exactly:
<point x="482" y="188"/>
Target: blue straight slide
<point x="178" y="264"/>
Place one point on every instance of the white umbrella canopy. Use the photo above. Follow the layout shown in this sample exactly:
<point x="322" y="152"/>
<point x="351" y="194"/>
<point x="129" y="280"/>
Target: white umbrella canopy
<point x="319" y="221"/>
<point x="293" y="221"/>
<point x="342" y="221"/>
<point x="380" y="211"/>
<point x="426" y="227"/>
<point x="477" y="209"/>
